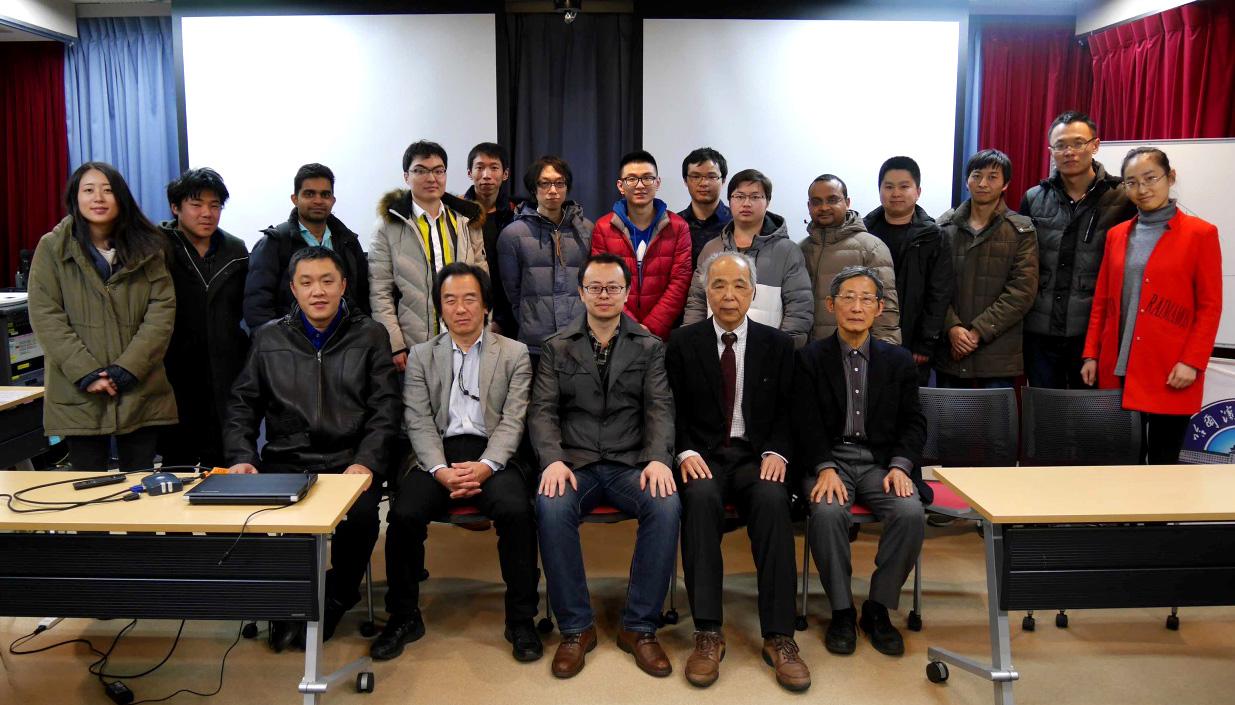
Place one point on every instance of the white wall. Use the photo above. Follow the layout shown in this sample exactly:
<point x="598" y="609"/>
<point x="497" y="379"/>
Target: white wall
<point x="1108" y="12"/>
<point x="57" y="16"/>
<point x="265" y="95"/>
<point x="797" y="98"/>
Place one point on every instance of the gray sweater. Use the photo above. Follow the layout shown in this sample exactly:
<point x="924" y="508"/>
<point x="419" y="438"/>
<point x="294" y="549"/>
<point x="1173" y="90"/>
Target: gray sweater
<point x="1141" y="242"/>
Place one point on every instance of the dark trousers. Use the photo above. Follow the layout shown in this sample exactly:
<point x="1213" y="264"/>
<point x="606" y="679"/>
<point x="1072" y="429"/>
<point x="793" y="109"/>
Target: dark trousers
<point x="1054" y="361"/>
<point x="945" y="380"/>
<point x="352" y="543"/>
<point x="764" y="506"/>
<point x="136" y="450"/>
<point x="503" y="498"/>
<point x="1162" y="436"/>
<point x="197" y="439"/>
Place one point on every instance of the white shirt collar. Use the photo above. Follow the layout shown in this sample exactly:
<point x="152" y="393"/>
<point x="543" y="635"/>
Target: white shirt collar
<point x="740" y="331"/>
<point x="480" y="339"/>
<point x="417" y="211"/>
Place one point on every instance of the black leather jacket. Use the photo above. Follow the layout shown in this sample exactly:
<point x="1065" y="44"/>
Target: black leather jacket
<point x="324" y="410"/>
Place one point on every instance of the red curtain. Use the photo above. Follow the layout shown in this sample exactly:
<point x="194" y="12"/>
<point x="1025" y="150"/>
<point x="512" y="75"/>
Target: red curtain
<point x="1168" y="76"/>
<point x="34" y="152"/>
<point x="1030" y="74"/>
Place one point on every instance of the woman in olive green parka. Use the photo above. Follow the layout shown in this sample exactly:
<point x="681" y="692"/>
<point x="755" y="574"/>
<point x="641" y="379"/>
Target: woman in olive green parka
<point x="102" y="306"/>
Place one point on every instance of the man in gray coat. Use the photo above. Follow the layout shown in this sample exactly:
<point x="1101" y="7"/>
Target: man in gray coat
<point x="602" y="424"/>
<point x="465" y="396"/>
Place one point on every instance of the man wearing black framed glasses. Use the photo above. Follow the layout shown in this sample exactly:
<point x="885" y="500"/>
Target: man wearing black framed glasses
<point x="704" y="170"/>
<point x="465" y="396"/>
<point x="601" y="422"/>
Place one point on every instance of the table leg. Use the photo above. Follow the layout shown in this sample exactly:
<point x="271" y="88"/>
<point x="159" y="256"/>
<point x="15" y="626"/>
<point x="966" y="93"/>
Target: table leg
<point x="314" y="684"/>
<point x="1000" y="672"/>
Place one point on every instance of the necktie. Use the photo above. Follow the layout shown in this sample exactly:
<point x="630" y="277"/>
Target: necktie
<point x="729" y="373"/>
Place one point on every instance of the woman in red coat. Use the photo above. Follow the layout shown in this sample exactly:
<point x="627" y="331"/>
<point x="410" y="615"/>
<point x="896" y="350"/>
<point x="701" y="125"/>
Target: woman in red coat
<point x="1156" y="307"/>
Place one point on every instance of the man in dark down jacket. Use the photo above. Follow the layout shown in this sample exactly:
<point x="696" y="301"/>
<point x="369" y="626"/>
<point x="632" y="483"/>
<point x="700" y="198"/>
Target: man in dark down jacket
<point x="267" y="291"/>
<point x="920" y="256"/>
<point x="540" y="254"/>
<point x="322" y="379"/>
<point x="488" y="166"/>
<point x="208" y="344"/>
<point x="1071" y="212"/>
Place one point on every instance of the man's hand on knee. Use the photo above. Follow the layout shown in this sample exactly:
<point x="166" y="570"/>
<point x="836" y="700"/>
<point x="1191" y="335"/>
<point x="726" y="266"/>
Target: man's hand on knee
<point x="553" y="480"/>
<point x="828" y="486"/>
<point x="898" y="483"/>
<point x="695" y="468"/>
<point x="659" y="478"/>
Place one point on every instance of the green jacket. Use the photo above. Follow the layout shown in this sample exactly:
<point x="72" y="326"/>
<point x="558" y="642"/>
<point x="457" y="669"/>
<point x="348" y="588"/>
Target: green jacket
<point x="84" y="324"/>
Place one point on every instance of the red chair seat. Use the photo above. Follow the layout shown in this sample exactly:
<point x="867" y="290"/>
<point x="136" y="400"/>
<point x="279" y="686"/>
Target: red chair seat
<point x="947" y="501"/>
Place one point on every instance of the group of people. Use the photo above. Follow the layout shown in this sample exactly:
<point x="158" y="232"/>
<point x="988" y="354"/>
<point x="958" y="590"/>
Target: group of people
<point x="532" y="363"/>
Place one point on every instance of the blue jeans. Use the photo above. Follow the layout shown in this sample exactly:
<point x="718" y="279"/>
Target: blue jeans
<point x="562" y="556"/>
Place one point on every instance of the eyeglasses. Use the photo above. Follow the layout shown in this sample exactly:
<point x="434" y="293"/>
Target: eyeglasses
<point x="560" y="185"/>
<point x="421" y="173"/>
<point x="830" y="200"/>
<point x="647" y="180"/>
<point x="1064" y="148"/>
<point x="703" y="178"/>
<point x="867" y="301"/>
<point x="1147" y="182"/>
<point x="752" y="198"/>
<point x="597" y="289"/>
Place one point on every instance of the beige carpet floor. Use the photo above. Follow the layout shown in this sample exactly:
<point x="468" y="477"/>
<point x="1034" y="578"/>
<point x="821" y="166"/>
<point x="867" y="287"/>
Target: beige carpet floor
<point x="1122" y="657"/>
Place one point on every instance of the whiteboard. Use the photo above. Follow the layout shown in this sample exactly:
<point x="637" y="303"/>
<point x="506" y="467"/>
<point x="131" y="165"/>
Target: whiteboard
<point x="264" y="95"/>
<point x="799" y="98"/>
<point x="1204" y="170"/>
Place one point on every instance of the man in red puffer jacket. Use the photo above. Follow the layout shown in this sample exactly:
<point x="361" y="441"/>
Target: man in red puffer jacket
<point x="654" y="241"/>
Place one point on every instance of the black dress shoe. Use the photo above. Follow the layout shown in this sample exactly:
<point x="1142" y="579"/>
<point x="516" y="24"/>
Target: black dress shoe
<point x="281" y="635"/>
<point x="842" y="635"/>
<point x="878" y="628"/>
<point x="400" y="630"/>
<point x="525" y="640"/>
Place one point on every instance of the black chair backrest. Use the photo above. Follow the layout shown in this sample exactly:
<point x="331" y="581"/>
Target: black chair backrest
<point x="1079" y="427"/>
<point x="970" y="427"/>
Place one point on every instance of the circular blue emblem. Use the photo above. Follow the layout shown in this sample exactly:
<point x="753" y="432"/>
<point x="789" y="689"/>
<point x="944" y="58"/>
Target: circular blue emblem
<point x="1212" y="429"/>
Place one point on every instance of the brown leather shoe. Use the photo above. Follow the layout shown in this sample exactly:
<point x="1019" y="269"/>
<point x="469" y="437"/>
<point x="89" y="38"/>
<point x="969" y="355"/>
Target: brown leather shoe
<point x="703" y="665"/>
<point x="568" y="660"/>
<point x="781" y="653"/>
<point x="649" y="656"/>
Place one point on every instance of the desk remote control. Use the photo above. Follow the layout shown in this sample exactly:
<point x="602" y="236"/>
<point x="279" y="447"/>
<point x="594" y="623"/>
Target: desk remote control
<point x="108" y="479"/>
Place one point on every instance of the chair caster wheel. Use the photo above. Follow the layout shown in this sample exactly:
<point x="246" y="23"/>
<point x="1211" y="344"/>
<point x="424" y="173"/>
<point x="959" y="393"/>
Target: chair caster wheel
<point x="364" y="682"/>
<point x="368" y="630"/>
<point x="249" y="630"/>
<point x="1061" y="620"/>
<point x="799" y="624"/>
<point x="937" y="672"/>
<point x="1172" y="623"/>
<point x="670" y="617"/>
<point x="914" y="622"/>
<point x="853" y="532"/>
<point x="545" y="625"/>
<point x="1028" y="623"/>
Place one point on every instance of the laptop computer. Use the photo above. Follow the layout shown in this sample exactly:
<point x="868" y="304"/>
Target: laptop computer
<point x="273" y="488"/>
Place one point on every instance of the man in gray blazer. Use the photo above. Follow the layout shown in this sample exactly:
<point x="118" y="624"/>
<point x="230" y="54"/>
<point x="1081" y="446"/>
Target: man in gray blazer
<point x="465" y="397"/>
<point x="602" y="425"/>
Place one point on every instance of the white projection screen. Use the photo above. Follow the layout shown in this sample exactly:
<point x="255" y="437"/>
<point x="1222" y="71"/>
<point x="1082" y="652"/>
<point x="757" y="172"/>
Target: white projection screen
<point x="799" y="98"/>
<point x="265" y="95"/>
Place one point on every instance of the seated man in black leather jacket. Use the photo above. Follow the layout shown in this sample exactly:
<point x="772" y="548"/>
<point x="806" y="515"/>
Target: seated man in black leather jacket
<point x="322" y="379"/>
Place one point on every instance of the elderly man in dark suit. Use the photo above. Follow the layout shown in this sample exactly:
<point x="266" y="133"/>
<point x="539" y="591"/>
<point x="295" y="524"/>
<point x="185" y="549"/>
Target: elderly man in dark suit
<point x="465" y="400"/>
<point x="732" y="381"/>
<point x="860" y="437"/>
<point x="602" y="425"/>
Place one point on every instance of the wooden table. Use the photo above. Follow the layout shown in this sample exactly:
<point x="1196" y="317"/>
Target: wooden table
<point x="1094" y="537"/>
<point x="21" y="426"/>
<point x="145" y="575"/>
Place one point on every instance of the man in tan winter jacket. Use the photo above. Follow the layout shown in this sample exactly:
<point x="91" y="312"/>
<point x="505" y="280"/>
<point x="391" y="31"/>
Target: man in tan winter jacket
<point x="837" y="238"/>
<point x="419" y="231"/>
